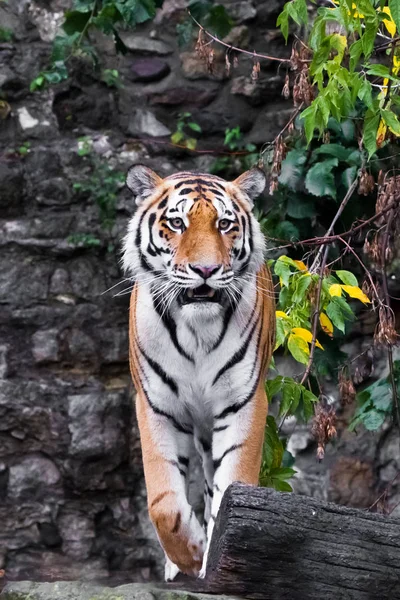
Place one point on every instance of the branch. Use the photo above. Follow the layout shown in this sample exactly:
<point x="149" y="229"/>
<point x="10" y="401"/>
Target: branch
<point x="341" y="208"/>
<point x="387" y="300"/>
<point x="230" y="47"/>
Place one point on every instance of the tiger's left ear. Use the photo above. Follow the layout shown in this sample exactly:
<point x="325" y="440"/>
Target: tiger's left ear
<point x="142" y="181"/>
<point x="251" y="183"/>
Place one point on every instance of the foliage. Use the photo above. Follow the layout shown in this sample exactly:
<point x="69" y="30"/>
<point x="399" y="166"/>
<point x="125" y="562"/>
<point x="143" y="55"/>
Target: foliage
<point x="184" y="126"/>
<point x="234" y="142"/>
<point x="375" y="402"/>
<point x="84" y="240"/>
<point x="111" y="78"/>
<point x="274" y="473"/>
<point x="107" y="16"/>
<point x="6" y="35"/>
<point x="102" y="184"/>
<point x="213" y="17"/>
<point x="342" y="74"/>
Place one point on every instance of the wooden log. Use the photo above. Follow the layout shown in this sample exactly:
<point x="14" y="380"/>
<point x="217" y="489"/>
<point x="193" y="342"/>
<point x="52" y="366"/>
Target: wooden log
<point x="273" y="546"/>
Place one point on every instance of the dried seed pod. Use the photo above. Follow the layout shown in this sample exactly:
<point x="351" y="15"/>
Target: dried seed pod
<point x="255" y="71"/>
<point x="235" y="61"/>
<point x="286" y="88"/>
<point x="326" y="137"/>
<point x="366" y="183"/>
<point x="273" y="185"/>
<point x="347" y="390"/>
<point x="323" y="427"/>
<point x="385" y="333"/>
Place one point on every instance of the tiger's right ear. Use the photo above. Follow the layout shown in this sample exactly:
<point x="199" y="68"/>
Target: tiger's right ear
<point x="142" y="182"/>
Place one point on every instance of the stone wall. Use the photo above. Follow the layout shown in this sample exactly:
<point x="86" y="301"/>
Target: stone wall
<point x="72" y="500"/>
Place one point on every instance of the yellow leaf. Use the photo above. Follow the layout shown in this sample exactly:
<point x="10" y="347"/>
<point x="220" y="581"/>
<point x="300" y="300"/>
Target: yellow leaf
<point x="281" y="315"/>
<point x="396" y="65"/>
<point x="301" y="266"/>
<point x="381" y="133"/>
<point x="389" y="23"/>
<point x="335" y="290"/>
<point x="305" y="335"/>
<point x="326" y="324"/>
<point x="354" y="292"/>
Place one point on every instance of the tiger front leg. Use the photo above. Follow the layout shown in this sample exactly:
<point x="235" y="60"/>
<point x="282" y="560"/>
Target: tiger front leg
<point x="166" y="460"/>
<point x="238" y="437"/>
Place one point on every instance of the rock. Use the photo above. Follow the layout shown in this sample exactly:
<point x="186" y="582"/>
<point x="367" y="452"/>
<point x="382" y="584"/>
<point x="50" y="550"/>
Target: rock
<point x="144" y="44"/>
<point x="238" y="36"/>
<point x="149" y="69"/>
<point x="4" y="367"/>
<point x="184" y="95"/>
<point x="195" y="67"/>
<point x="240" y="11"/>
<point x="144" y="122"/>
<point x="96" y="425"/>
<point x="352" y="483"/>
<point x="77" y="534"/>
<point x="82" y="348"/>
<point x="45" y="346"/>
<point x="32" y="477"/>
<point x="70" y="590"/>
<point x="12" y="189"/>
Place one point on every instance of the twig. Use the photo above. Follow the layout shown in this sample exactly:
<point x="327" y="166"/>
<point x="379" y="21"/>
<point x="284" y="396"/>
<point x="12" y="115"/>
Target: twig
<point x="253" y="54"/>
<point x="316" y="316"/>
<point x="387" y="300"/>
<point x="292" y="118"/>
<point x="341" y="208"/>
<point x="317" y="241"/>
<point x="385" y="491"/>
<point x="368" y="274"/>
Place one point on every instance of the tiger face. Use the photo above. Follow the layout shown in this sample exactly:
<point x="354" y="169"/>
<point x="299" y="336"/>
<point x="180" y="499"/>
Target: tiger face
<point x="194" y="236"/>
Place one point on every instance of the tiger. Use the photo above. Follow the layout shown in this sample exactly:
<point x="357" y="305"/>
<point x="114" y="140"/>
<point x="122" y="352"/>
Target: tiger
<point x="201" y="335"/>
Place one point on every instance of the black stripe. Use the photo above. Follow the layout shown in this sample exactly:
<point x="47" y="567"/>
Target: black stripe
<point x="205" y="445"/>
<point x="163" y="202"/>
<point x="185" y="191"/>
<point x="251" y="245"/>
<point x="174" y="463"/>
<point x="199" y="182"/>
<point x="170" y="325"/>
<point x="251" y="315"/>
<point x="217" y="462"/>
<point x="183" y="460"/>
<point x="234" y="408"/>
<point x="257" y="350"/>
<point x="220" y="428"/>
<point x="162" y="413"/>
<point x="243" y="250"/>
<point x="227" y="317"/>
<point x="209" y="491"/>
<point x="157" y="368"/>
<point x="244" y="267"/>
<point x="217" y="488"/>
<point x="239" y="355"/>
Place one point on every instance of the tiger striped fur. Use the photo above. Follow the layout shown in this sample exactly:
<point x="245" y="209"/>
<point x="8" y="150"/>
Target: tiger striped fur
<point x="201" y="336"/>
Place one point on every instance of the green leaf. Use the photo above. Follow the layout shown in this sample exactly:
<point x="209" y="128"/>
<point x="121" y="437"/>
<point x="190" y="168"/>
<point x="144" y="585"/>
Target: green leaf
<point x="365" y="93"/>
<point x="355" y="50"/>
<point x="273" y="386"/>
<point x="298" y="348"/>
<point x="373" y="419"/>
<point x="75" y="21"/>
<point x="394" y="6"/>
<point x="300" y="208"/>
<point x="347" y="277"/>
<point x="336" y="316"/>
<point x="194" y="127"/>
<point x="308" y="116"/>
<point x="348" y="176"/>
<point x="282" y="473"/>
<point x="273" y="447"/>
<point x="368" y="37"/>
<point x="391" y="121"/>
<point x="282" y="269"/>
<point x="219" y="21"/>
<point x="320" y="180"/>
<point x="382" y="71"/>
<point x="281" y="486"/>
<point x="371" y="124"/>
<point x="291" y="392"/>
<point x="336" y="150"/>
<point x="301" y="286"/>
<point x="283" y="23"/>
<point x="292" y="169"/>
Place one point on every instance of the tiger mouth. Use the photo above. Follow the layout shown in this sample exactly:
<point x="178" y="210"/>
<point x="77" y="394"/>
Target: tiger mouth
<point x="203" y="293"/>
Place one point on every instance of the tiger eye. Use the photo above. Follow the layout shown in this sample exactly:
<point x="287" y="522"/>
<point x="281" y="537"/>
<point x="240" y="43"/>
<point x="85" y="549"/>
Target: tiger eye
<point x="176" y="223"/>
<point x="224" y="224"/>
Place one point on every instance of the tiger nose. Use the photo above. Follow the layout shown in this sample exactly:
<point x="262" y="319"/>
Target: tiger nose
<point x="205" y="271"/>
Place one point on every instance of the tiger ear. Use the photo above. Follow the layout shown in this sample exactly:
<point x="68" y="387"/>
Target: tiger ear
<point x="251" y="183"/>
<point x="142" y="182"/>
